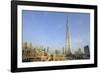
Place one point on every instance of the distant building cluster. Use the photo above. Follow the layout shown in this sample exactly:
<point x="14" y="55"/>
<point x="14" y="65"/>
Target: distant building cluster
<point x="30" y="54"/>
<point x="33" y="54"/>
<point x="80" y="55"/>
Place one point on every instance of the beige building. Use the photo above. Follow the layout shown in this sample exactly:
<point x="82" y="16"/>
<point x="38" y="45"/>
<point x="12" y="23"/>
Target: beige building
<point x="29" y="54"/>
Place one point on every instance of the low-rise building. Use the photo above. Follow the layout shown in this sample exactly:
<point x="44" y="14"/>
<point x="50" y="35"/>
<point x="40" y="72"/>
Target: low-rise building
<point x="30" y="54"/>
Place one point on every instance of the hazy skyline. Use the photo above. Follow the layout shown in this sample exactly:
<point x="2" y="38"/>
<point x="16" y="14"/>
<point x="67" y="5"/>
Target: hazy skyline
<point x="49" y="28"/>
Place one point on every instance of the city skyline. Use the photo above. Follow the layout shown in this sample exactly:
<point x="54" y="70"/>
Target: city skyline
<point x="48" y="28"/>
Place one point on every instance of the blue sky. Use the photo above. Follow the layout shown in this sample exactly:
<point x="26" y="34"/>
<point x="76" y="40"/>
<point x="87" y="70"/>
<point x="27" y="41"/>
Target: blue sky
<point x="49" y="28"/>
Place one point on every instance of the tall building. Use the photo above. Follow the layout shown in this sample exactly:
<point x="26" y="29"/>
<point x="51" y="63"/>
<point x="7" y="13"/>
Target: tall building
<point x="67" y="41"/>
<point x="87" y="52"/>
<point x="47" y="49"/>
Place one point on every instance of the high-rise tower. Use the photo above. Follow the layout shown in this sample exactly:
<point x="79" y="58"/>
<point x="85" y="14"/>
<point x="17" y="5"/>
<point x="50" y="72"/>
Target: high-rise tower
<point x="67" y="41"/>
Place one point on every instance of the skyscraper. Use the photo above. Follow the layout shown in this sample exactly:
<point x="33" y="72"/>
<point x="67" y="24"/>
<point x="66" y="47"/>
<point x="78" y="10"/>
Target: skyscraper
<point x="67" y="41"/>
<point x="87" y="52"/>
